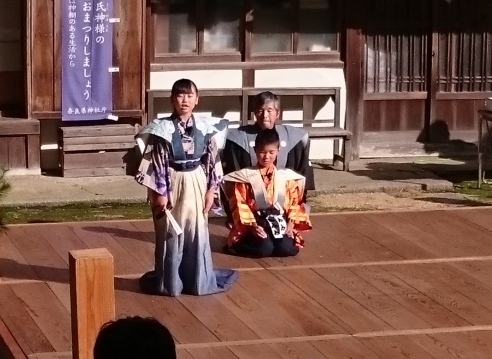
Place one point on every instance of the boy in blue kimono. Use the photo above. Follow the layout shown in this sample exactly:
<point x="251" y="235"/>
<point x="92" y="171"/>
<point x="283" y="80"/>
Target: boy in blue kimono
<point x="179" y="169"/>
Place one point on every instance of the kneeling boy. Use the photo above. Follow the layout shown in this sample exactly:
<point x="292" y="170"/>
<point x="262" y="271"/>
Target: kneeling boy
<point x="267" y="205"/>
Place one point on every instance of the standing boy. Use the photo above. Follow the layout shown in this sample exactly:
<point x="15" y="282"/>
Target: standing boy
<point x="179" y="170"/>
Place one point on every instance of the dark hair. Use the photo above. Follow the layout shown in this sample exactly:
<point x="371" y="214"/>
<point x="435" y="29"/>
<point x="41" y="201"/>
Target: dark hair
<point x="264" y="97"/>
<point x="134" y="337"/>
<point x="183" y="86"/>
<point x="268" y="136"/>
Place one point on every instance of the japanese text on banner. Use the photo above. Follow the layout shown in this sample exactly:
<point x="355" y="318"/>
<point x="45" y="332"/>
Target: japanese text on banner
<point x="87" y="56"/>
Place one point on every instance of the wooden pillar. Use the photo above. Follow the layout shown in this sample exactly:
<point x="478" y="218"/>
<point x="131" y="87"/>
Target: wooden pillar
<point x="92" y="297"/>
<point x="353" y="55"/>
<point x="432" y="70"/>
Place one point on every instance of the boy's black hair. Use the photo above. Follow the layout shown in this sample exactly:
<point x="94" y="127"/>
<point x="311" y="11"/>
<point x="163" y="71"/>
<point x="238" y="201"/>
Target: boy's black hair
<point x="134" y="337"/>
<point x="264" y="97"/>
<point x="268" y="136"/>
<point x="183" y="86"/>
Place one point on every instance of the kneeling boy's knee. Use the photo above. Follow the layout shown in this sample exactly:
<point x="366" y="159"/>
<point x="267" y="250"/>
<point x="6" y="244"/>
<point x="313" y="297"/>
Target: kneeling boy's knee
<point x="286" y="248"/>
<point x="266" y="248"/>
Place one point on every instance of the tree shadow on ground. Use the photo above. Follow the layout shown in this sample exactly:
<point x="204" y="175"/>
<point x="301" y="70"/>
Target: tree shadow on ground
<point x="15" y="271"/>
<point x="144" y="236"/>
<point x="460" y="202"/>
<point x="436" y="139"/>
<point x="217" y="241"/>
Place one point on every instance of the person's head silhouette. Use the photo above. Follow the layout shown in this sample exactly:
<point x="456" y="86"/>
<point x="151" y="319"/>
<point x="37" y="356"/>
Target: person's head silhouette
<point x="134" y="337"/>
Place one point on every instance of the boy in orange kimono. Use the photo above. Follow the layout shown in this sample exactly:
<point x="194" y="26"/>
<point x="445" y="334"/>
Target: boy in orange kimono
<point x="267" y="209"/>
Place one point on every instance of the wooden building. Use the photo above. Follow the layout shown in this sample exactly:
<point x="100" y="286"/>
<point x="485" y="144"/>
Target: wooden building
<point x="32" y="89"/>
<point x="407" y="71"/>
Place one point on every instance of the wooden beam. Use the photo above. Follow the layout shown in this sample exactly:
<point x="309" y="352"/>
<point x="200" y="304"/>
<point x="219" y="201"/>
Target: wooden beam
<point x="94" y="160"/>
<point x="18" y="127"/>
<point x="99" y="146"/>
<point x="463" y="95"/>
<point x="27" y="57"/>
<point x="251" y="91"/>
<point x="55" y="115"/>
<point x="353" y="51"/>
<point x="145" y="60"/>
<point x="432" y="70"/>
<point x="307" y="110"/>
<point x="255" y="65"/>
<point x="92" y="140"/>
<point x="293" y="91"/>
<point x="92" y="297"/>
<point x="248" y="82"/>
<point x="57" y="55"/>
<point x="101" y="130"/>
<point x="245" y="109"/>
<point x="95" y="172"/>
<point x="33" y="152"/>
<point x="202" y="93"/>
<point x="42" y="28"/>
<point x="395" y="96"/>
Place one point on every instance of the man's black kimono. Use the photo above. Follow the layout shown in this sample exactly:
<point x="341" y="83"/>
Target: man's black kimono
<point x="294" y="152"/>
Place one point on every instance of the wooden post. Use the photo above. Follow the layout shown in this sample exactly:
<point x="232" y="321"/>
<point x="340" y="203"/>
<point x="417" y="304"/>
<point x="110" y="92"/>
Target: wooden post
<point x="92" y="297"/>
<point x="353" y="55"/>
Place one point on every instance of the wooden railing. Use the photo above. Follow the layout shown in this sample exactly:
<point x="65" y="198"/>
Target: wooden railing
<point x="246" y="94"/>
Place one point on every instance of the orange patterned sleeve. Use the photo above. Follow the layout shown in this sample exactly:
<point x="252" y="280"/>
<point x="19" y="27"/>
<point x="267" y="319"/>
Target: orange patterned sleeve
<point x="243" y="216"/>
<point x="296" y="212"/>
<point x="242" y="213"/>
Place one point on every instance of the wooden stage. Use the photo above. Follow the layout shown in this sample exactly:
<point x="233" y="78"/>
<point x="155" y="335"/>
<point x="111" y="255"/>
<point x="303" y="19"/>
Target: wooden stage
<point x="367" y="285"/>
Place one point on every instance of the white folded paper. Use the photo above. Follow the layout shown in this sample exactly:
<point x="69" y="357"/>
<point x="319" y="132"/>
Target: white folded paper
<point x="173" y="222"/>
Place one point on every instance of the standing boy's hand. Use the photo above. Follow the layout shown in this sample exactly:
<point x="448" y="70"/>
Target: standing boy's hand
<point x="209" y="200"/>
<point x="159" y="202"/>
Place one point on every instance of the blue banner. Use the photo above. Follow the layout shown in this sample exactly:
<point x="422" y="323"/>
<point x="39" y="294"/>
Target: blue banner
<point x="87" y="59"/>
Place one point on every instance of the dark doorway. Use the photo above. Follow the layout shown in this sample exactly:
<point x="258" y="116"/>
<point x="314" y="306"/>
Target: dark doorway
<point x="12" y="59"/>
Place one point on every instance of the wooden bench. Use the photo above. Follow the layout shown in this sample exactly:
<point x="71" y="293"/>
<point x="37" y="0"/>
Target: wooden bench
<point x="105" y="150"/>
<point x="336" y="133"/>
<point x="331" y="129"/>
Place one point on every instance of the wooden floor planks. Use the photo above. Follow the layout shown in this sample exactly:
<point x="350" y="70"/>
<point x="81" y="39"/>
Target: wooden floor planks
<point x="49" y="314"/>
<point x="297" y="310"/>
<point x="367" y="227"/>
<point x="217" y="318"/>
<point x="340" y="306"/>
<point x="256" y="315"/>
<point x="18" y="319"/>
<point x="367" y="285"/>
<point x="345" y="348"/>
